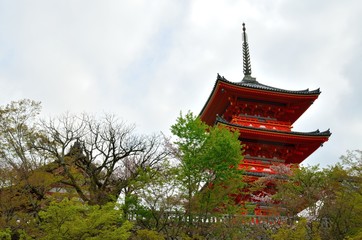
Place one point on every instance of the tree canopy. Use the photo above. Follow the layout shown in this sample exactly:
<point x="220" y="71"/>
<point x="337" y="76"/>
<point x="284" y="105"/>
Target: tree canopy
<point x="92" y="177"/>
<point x="205" y="154"/>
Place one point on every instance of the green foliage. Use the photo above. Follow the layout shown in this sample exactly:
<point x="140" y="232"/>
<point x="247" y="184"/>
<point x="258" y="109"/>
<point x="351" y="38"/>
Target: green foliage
<point x="96" y="160"/>
<point x="17" y="134"/>
<point x="145" y="234"/>
<point x="355" y="236"/>
<point x="5" y="234"/>
<point x="22" y="193"/>
<point x="343" y="207"/>
<point x="296" y="232"/>
<point x="71" y="219"/>
<point x="331" y="198"/>
<point x="157" y="199"/>
<point x="208" y="163"/>
<point x="302" y="189"/>
<point x="213" y="147"/>
<point x="206" y="154"/>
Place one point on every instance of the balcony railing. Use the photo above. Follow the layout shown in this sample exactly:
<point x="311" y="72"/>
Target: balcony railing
<point x="215" y="218"/>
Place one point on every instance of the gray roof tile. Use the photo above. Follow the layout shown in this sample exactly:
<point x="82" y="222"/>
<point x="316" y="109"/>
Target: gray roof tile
<point x="252" y="83"/>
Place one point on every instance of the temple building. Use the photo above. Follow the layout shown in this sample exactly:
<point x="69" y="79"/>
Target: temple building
<point x="263" y="115"/>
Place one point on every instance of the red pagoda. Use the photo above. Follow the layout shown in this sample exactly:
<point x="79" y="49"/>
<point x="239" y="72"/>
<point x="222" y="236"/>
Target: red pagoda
<point x="263" y="115"/>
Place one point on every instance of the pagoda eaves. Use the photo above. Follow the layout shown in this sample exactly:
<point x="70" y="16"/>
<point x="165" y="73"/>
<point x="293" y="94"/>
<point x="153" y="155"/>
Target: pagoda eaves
<point x="289" y="104"/>
<point x="289" y="147"/>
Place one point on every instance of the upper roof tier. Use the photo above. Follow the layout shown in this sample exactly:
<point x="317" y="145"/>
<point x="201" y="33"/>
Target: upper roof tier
<point x="251" y="98"/>
<point x="290" y="103"/>
<point x="255" y="84"/>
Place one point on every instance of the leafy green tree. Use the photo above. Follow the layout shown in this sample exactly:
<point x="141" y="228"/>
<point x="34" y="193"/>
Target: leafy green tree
<point x="342" y="210"/>
<point x="208" y="158"/>
<point x="301" y="190"/>
<point x="157" y="204"/>
<point x="296" y="232"/>
<point x="330" y="198"/>
<point x="72" y="219"/>
<point x="144" y="234"/>
<point x="182" y="194"/>
<point x="17" y="133"/>
<point x="22" y="186"/>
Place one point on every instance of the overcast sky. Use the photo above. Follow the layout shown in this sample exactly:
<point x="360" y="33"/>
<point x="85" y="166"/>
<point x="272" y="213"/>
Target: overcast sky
<point x="145" y="61"/>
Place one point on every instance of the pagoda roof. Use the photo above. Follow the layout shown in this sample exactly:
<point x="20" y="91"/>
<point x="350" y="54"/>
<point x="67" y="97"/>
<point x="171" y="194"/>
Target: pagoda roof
<point x="253" y="90"/>
<point x="256" y="85"/>
<point x="316" y="133"/>
<point x="309" y="141"/>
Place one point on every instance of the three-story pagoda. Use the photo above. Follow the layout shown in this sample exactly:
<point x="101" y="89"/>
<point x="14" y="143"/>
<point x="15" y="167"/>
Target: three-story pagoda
<point x="263" y="115"/>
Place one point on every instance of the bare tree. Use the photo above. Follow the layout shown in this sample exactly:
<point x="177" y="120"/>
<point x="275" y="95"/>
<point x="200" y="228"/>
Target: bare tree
<point x="100" y="158"/>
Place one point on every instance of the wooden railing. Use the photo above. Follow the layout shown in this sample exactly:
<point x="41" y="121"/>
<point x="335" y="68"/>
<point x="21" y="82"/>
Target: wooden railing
<point x="216" y="218"/>
<point x="262" y="123"/>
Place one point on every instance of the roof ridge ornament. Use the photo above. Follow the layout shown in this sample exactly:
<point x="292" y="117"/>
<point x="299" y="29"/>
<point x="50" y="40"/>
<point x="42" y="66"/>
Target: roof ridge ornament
<point x="246" y="59"/>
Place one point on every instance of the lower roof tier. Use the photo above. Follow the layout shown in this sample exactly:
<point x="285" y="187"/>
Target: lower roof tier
<point x="291" y="147"/>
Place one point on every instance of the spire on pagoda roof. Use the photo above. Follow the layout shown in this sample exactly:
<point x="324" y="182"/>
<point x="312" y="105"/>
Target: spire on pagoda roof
<point x="246" y="59"/>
